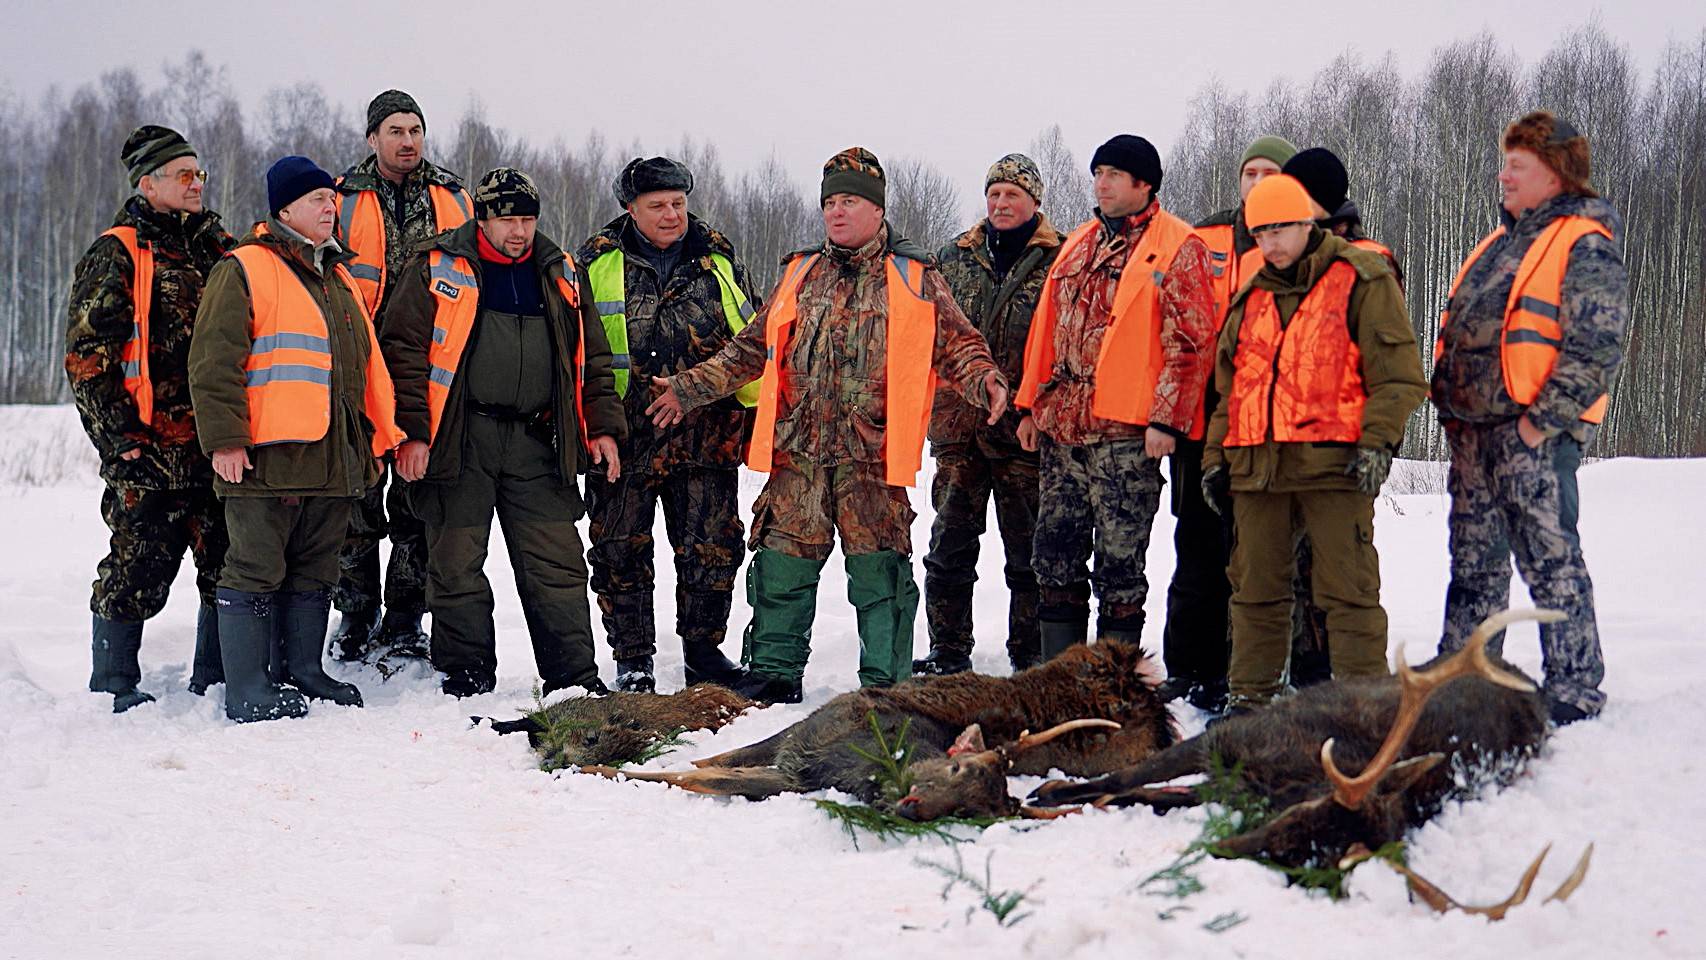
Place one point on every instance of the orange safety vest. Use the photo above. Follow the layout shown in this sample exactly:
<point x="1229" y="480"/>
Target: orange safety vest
<point x="1130" y="361"/>
<point x="289" y="371"/>
<point x="1532" y="335"/>
<point x="1229" y="271"/>
<point x="1306" y="376"/>
<point x="457" y="293"/>
<point x="361" y="229"/>
<point x="911" y="386"/>
<point x="135" y="354"/>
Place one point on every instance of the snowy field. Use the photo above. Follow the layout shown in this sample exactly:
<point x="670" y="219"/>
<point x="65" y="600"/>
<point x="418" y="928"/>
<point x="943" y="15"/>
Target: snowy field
<point x="400" y="830"/>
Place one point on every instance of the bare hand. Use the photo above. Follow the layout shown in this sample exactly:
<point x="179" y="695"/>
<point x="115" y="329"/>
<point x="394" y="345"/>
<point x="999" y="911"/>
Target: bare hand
<point x="230" y="463"/>
<point x="603" y="450"/>
<point x="412" y="460"/>
<point x="996" y="391"/>
<point x="1529" y="433"/>
<point x="1028" y="434"/>
<point x="665" y="409"/>
<point x="131" y="454"/>
<point x="1158" y="443"/>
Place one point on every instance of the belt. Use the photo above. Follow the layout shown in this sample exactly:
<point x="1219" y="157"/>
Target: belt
<point x="506" y="414"/>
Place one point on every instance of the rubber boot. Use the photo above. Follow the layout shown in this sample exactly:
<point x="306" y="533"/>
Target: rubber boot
<point x="245" y="645"/>
<point x="1024" y="645"/>
<point x="634" y="675"/>
<point x="401" y="634"/>
<point x="302" y="619"/>
<point x="702" y="618"/>
<point x="882" y="591"/>
<point x="1063" y="619"/>
<point x="782" y="590"/>
<point x="1121" y="623"/>
<point x="947" y="617"/>
<point x="207" y="669"/>
<point x="115" y="646"/>
<point x="354" y="636"/>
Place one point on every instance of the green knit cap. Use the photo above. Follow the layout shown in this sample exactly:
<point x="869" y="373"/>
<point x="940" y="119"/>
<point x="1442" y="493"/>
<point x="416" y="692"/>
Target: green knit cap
<point x="1277" y="149"/>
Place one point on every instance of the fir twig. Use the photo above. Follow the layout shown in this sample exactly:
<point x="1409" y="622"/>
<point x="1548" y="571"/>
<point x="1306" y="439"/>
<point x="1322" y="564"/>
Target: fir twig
<point x="892" y="760"/>
<point x="858" y="818"/>
<point x="1003" y="904"/>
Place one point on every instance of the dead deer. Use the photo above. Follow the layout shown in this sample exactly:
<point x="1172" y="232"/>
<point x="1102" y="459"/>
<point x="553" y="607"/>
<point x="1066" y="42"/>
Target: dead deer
<point x="1442" y="732"/>
<point x="581" y="731"/>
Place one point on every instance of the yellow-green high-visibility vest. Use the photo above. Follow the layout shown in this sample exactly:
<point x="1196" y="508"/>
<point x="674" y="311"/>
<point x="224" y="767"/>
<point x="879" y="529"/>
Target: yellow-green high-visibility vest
<point x="610" y="296"/>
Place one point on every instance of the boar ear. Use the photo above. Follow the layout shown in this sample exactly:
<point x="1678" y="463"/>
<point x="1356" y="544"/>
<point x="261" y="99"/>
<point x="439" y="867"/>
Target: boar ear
<point x="969" y="741"/>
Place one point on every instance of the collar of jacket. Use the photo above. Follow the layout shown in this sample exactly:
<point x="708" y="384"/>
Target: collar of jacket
<point x="1045" y="236"/>
<point x="294" y="248"/>
<point x="1538" y="218"/>
<point x="1301" y="276"/>
<point x="173" y="228"/>
<point x="887" y="240"/>
<point x="701" y="240"/>
<point x="464" y="242"/>
<point x="1130" y="224"/>
<point x="491" y="254"/>
<point x="365" y="176"/>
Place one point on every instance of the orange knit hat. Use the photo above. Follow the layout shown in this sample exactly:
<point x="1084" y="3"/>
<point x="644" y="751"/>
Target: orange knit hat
<point x="1277" y="199"/>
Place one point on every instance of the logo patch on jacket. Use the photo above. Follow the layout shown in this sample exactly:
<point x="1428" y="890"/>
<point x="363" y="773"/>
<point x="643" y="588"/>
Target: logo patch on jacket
<point x="444" y="289"/>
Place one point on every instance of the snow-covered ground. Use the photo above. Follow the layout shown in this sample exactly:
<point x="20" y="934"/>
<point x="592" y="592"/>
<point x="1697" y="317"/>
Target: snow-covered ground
<point x="400" y="831"/>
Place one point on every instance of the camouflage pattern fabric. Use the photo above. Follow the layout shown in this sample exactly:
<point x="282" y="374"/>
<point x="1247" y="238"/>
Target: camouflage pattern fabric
<point x="856" y="171"/>
<point x="1509" y="499"/>
<point x="419" y="222"/>
<point x="506" y="192"/>
<point x="150" y="531"/>
<point x="966" y="477"/>
<point x="805" y="504"/>
<point x="383" y="512"/>
<point x="1017" y="169"/>
<point x="1106" y="494"/>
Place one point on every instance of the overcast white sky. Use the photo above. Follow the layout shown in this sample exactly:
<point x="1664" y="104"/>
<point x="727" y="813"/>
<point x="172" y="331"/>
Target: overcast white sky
<point x="959" y="82"/>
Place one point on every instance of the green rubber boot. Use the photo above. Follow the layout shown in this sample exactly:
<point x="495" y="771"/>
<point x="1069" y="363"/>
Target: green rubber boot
<point x="881" y="589"/>
<point x="783" y="593"/>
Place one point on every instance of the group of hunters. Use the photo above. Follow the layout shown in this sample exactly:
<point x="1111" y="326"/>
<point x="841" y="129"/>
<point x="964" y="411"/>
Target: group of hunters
<point x="251" y="399"/>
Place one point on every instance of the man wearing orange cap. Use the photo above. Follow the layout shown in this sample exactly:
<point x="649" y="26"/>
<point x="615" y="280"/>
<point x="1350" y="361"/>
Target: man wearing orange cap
<point x="1317" y="371"/>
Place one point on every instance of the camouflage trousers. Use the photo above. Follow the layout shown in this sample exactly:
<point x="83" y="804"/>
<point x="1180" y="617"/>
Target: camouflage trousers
<point x="701" y="518"/>
<point x="1097" y="499"/>
<point x="966" y="477"/>
<point x="384" y="511"/>
<point x="151" y="529"/>
<point x="804" y="505"/>
<point x="1507" y="499"/>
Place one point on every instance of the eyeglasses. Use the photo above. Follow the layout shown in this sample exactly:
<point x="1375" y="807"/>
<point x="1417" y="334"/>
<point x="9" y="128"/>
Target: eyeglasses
<point x="184" y="177"/>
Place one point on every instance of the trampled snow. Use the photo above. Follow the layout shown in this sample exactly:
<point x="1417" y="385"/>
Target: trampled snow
<point x="401" y="830"/>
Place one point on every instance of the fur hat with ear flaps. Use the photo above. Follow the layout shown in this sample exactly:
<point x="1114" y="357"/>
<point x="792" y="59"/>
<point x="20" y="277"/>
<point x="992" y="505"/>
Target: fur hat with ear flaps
<point x="1558" y="144"/>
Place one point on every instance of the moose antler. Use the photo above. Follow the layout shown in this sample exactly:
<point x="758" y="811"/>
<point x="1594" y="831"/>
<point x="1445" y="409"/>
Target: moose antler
<point x="1415" y="689"/>
<point x="1028" y="740"/>
<point x="1440" y="901"/>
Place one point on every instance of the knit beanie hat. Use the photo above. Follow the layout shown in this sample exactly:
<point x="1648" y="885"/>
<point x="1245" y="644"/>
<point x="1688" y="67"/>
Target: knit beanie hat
<point x="389" y="102"/>
<point x="1017" y="169"/>
<point x="857" y="171"/>
<point x="645" y="176"/>
<point x="1278" y="149"/>
<point x="150" y="147"/>
<point x="505" y="192"/>
<point x="1277" y="199"/>
<point x="1134" y="155"/>
<point x="1321" y="173"/>
<point x="292" y="178"/>
<point x="1558" y="144"/>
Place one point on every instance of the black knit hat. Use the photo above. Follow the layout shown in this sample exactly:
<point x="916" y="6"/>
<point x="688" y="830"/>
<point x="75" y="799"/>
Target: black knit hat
<point x="1134" y="155"/>
<point x="292" y="178"/>
<point x="645" y="176"/>
<point x="150" y="147"/>
<point x="389" y="102"/>
<point x="1323" y="175"/>
<point x="505" y="192"/>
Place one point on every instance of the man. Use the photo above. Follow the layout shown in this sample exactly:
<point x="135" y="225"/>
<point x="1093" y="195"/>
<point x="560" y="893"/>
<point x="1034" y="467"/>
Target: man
<point x="671" y="292"/>
<point x="1197" y="640"/>
<point x="503" y="379"/>
<point x="1318" y="371"/>
<point x="996" y="272"/>
<point x="1115" y="369"/>
<point x="127" y="346"/>
<point x="1531" y="337"/>
<point x="850" y="346"/>
<point x="294" y="407"/>
<point x="389" y="204"/>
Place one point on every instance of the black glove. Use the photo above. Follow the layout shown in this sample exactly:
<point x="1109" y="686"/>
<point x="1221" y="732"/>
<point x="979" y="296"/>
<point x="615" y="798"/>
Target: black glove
<point x="1370" y="467"/>
<point x="1217" y="489"/>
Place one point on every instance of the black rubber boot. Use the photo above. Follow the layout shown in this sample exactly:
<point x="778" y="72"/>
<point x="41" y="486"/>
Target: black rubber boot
<point x="706" y="664"/>
<point x="941" y="662"/>
<point x="1122" y="623"/>
<point x="766" y="689"/>
<point x="115" y="646"/>
<point x="245" y="644"/>
<point x="207" y="669"/>
<point x="302" y="619"/>
<point x="401" y="634"/>
<point x="1063" y="618"/>
<point x="354" y="636"/>
<point x="634" y="675"/>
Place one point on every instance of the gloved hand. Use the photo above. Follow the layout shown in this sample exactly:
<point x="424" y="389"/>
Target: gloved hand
<point x="1217" y="489"/>
<point x="1370" y="467"/>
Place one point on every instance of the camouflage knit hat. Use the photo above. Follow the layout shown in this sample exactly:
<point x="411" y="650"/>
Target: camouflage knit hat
<point x="1016" y="168"/>
<point x="389" y="102"/>
<point x="855" y="170"/>
<point x="150" y="147"/>
<point x="506" y="192"/>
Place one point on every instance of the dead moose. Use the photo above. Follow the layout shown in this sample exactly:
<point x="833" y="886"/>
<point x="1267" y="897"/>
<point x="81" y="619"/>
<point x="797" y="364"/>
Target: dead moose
<point x="1109" y="686"/>
<point x="1430" y="735"/>
<point x="621" y="727"/>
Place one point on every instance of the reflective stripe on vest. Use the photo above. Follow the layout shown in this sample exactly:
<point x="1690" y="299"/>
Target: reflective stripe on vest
<point x="1300" y="382"/>
<point x="1532" y="335"/>
<point x="911" y="378"/>
<point x="610" y="297"/>
<point x="1130" y="361"/>
<point x="135" y="356"/>
<point x="1229" y="271"/>
<point x="361" y="229"/>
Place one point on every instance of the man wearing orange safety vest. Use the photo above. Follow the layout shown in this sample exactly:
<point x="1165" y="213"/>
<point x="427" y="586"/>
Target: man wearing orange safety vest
<point x="506" y="390"/>
<point x="294" y="407"/>
<point x="1530" y="339"/>
<point x="851" y="345"/>
<point x="127" y="347"/>
<point x="388" y="204"/>
<point x="1318" y="372"/>
<point x="1115" y="367"/>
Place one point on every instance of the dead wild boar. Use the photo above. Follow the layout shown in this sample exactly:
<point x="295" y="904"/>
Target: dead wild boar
<point x="583" y="731"/>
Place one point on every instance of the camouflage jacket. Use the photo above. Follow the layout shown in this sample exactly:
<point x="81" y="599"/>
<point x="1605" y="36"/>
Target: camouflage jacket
<point x="102" y="311"/>
<point x="832" y="402"/>
<point x="418" y="225"/>
<point x="1468" y="380"/>
<point x="1001" y="310"/>
<point x="672" y="327"/>
<point x="1088" y="277"/>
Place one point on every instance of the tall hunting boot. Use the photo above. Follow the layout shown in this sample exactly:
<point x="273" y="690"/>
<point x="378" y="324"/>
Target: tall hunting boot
<point x="115" y="646"/>
<point x="1063" y="618"/>
<point x="701" y="620"/>
<point x="947" y="618"/>
<point x="302" y="616"/>
<point x="207" y="669"/>
<point x="245" y="645"/>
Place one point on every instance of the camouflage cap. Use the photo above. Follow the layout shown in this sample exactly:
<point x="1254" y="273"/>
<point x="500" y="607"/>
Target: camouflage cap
<point x="505" y="192"/>
<point x="1016" y="168"/>
<point x="150" y="147"/>
<point x="389" y="102"/>
<point x="855" y="170"/>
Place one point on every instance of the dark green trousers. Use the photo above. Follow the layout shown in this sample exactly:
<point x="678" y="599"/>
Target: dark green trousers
<point x="283" y="543"/>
